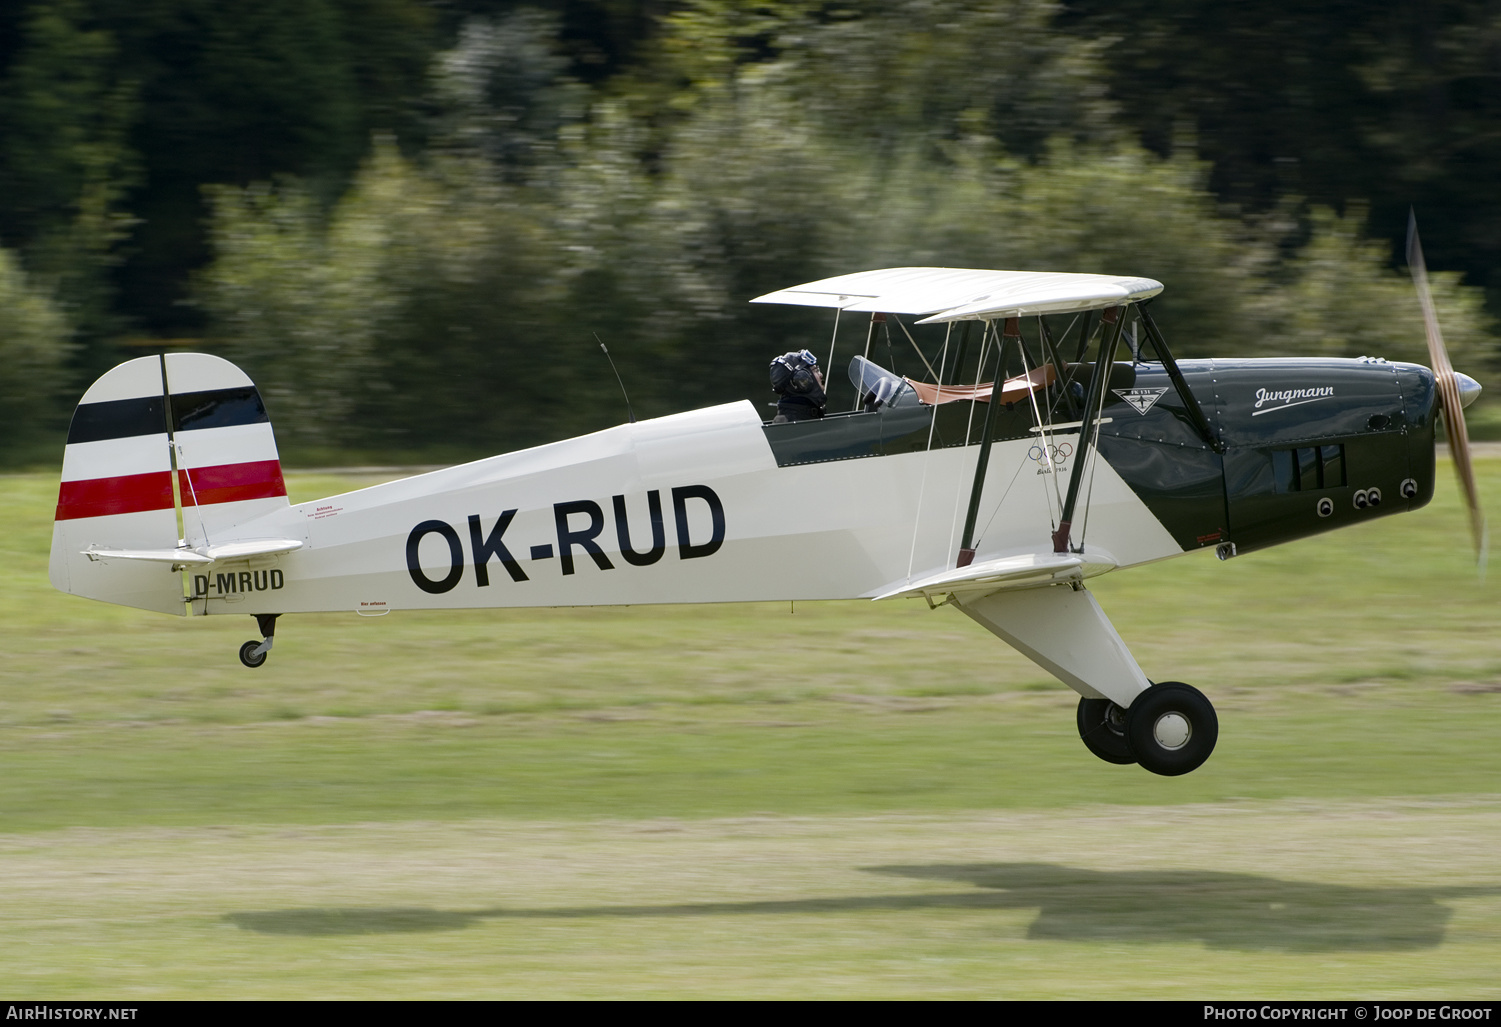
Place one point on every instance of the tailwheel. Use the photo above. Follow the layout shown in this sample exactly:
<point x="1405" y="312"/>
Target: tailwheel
<point x="1171" y="728"/>
<point x="253" y="653"/>
<point x="1102" y="726"/>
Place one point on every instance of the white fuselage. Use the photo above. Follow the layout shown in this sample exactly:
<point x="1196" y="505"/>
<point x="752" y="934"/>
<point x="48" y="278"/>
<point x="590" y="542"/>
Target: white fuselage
<point x="830" y="530"/>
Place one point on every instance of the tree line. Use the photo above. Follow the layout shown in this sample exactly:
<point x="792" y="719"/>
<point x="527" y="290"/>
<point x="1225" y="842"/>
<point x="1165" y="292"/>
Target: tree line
<point x="410" y="221"/>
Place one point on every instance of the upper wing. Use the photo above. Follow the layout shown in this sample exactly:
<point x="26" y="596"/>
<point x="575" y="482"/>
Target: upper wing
<point x="953" y="294"/>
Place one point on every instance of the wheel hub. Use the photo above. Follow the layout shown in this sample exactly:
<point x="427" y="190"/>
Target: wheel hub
<point x="1172" y="731"/>
<point x="1171" y="728"/>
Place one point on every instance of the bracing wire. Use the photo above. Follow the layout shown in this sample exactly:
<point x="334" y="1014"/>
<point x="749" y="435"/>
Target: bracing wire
<point x="937" y="380"/>
<point x="197" y="507"/>
<point x="829" y="367"/>
<point x="980" y="536"/>
<point x="178" y="461"/>
<point x="1049" y="431"/>
<point x="870" y="334"/>
<point x="1046" y="438"/>
<point x="1094" y="458"/>
<point x="968" y="427"/>
<point x="985" y="337"/>
<point x="928" y="456"/>
<point x="1078" y="364"/>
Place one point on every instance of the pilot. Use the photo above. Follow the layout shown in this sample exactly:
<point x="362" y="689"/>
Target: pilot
<point x="796" y="378"/>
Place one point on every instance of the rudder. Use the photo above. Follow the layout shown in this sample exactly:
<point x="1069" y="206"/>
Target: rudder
<point x="118" y="503"/>
<point x="229" y="472"/>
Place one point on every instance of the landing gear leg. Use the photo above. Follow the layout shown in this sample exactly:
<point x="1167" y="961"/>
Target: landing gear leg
<point x="1102" y="726"/>
<point x="253" y="653"/>
<point x="1171" y="728"/>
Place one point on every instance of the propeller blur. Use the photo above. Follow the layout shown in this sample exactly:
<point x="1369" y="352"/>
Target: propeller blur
<point x="1456" y="391"/>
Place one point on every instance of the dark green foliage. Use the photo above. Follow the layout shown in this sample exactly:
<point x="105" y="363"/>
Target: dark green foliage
<point x="34" y="347"/>
<point x="66" y="108"/>
<point x="116" y="114"/>
<point x="408" y="221"/>
<point x="1393" y="103"/>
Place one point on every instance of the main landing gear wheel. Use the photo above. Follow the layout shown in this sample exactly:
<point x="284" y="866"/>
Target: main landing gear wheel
<point x="1102" y="726"/>
<point x="1171" y="728"/>
<point x="252" y="655"/>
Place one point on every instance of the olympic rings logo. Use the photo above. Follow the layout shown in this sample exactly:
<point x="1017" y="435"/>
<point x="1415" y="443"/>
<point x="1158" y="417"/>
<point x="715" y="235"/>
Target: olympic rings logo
<point x="1055" y="454"/>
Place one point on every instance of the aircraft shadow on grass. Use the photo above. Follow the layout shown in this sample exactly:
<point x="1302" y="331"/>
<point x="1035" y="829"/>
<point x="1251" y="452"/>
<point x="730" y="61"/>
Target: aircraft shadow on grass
<point x="1221" y="910"/>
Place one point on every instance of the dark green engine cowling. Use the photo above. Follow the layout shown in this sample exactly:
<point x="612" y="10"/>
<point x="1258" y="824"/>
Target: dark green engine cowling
<point x="1306" y="445"/>
<point x="1313" y="444"/>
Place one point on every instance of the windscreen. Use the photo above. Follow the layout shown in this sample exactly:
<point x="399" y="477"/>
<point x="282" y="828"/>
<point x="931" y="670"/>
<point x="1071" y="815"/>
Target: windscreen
<point x="873" y="380"/>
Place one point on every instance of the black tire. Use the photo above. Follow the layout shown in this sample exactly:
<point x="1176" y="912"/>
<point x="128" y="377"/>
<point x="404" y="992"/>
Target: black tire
<point x="248" y="655"/>
<point x="1102" y="726"/>
<point x="1171" y="728"/>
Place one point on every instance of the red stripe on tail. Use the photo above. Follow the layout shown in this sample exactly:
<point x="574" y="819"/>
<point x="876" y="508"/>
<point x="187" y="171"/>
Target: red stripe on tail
<point x="133" y="493"/>
<point x="102" y="497"/>
<point x="231" y="483"/>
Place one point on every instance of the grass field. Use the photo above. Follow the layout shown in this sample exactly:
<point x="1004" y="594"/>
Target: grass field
<point x="848" y="799"/>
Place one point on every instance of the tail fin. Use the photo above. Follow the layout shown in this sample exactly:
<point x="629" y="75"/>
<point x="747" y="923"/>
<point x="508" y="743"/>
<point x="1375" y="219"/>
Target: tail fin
<point x="116" y="527"/>
<point x="229" y="472"/>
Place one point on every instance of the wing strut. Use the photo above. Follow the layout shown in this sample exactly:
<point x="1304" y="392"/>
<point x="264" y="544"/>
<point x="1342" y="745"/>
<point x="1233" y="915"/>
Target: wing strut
<point x="870" y="335"/>
<point x="963" y="350"/>
<point x="1115" y="319"/>
<point x="1050" y="352"/>
<point x="1190" y="401"/>
<point x="1086" y="320"/>
<point x="966" y="545"/>
<point x="1086" y="329"/>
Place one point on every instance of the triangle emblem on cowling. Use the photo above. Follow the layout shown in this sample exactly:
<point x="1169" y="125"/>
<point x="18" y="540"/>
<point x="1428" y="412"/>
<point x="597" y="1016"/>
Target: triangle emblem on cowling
<point x="1141" y="400"/>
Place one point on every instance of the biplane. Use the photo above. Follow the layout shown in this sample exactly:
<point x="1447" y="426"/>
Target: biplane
<point x="1052" y="437"/>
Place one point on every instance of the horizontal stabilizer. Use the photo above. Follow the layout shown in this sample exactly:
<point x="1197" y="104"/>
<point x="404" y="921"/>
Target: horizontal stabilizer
<point x="200" y="555"/>
<point x="257" y="547"/>
<point x="1023" y="570"/>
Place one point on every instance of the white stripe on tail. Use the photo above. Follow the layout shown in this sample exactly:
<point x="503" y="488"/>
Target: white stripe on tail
<point x="229" y="472"/>
<point x="116" y="527"/>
